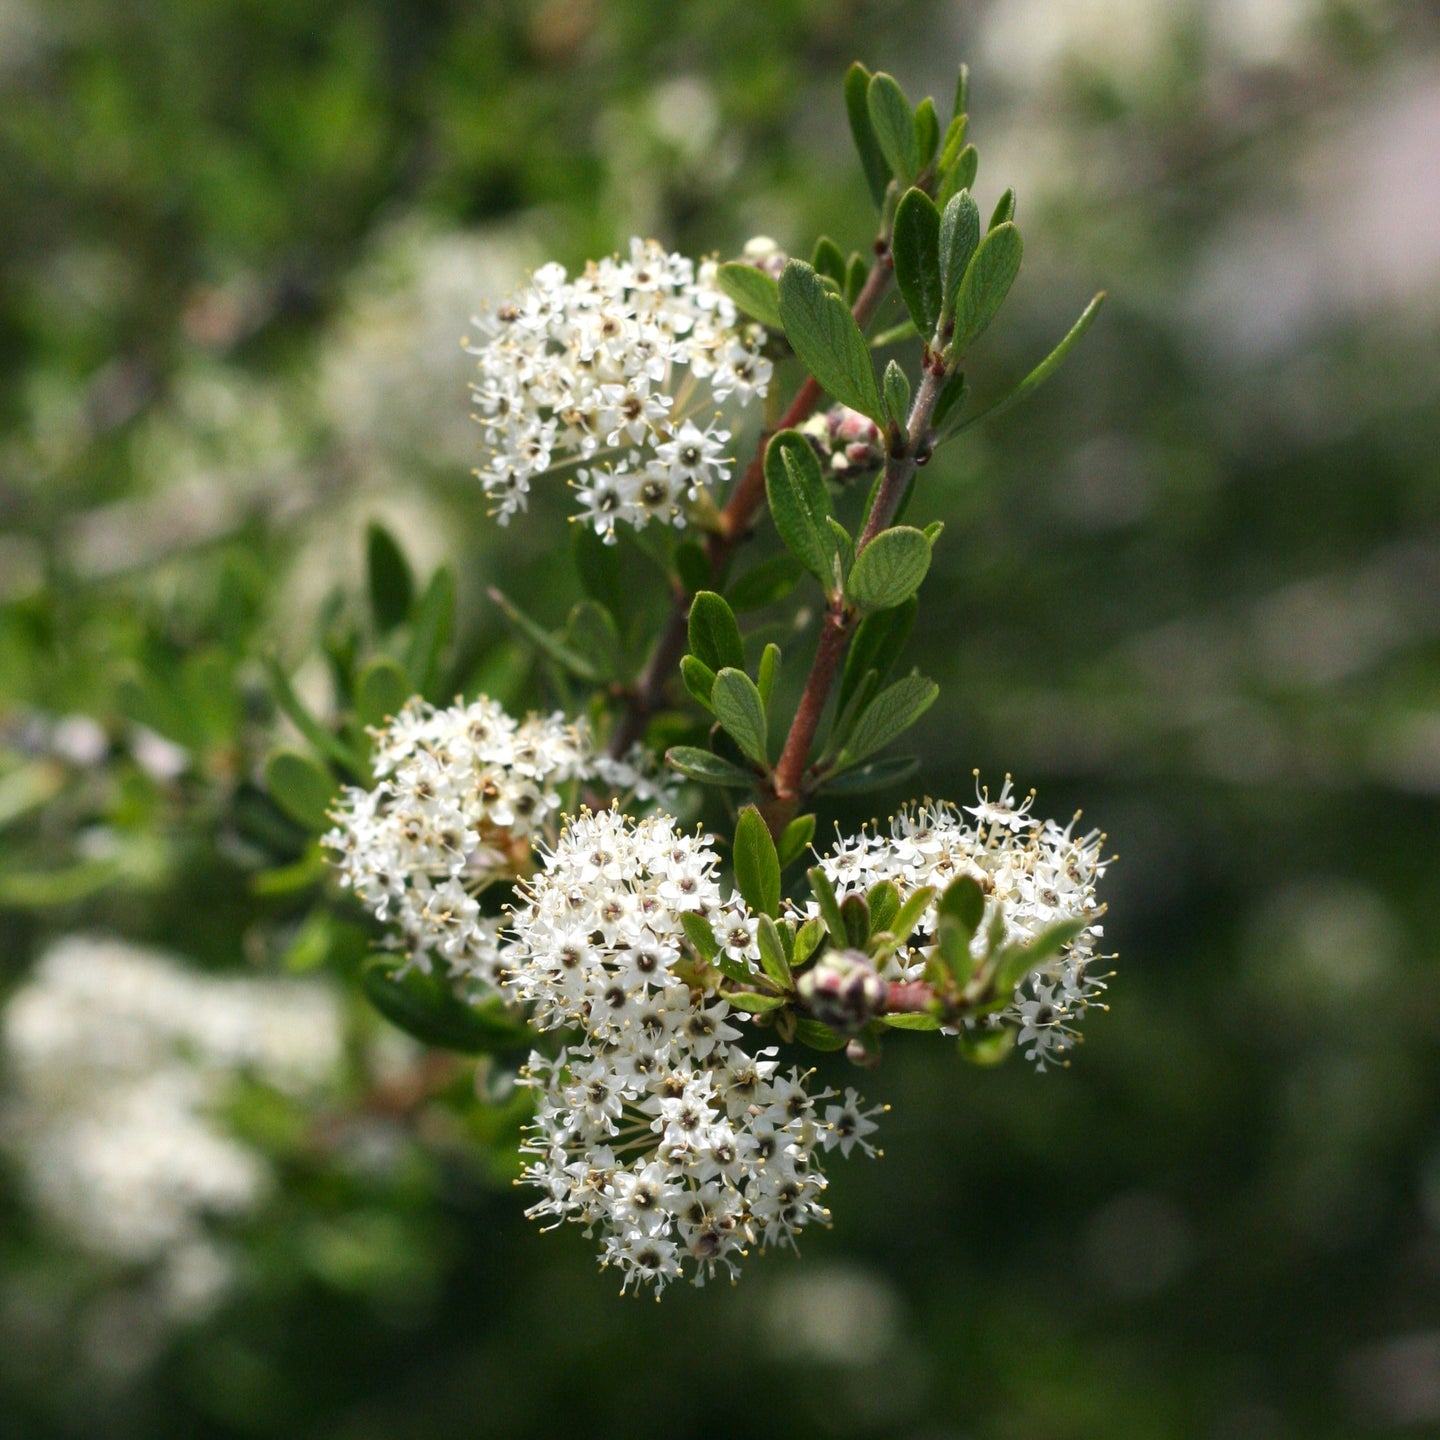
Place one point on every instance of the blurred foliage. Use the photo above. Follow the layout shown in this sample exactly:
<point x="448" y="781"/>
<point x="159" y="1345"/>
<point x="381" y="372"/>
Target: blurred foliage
<point x="1192" y="586"/>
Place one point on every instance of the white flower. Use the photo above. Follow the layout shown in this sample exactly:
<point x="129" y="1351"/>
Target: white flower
<point x="1033" y="872"/>
<point x="460" y="799"/>
<point x="655" y="1126"/>
<point x="591" y="369"/>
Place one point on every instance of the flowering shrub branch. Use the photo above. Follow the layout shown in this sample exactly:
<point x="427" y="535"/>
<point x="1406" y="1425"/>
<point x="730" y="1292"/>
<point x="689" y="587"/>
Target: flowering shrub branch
<point x="538" y="897"/>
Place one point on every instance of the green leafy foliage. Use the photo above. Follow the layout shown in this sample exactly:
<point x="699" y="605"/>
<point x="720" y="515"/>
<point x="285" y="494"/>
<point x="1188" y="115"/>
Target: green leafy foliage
<point x="986" y="284"/>
<point x="757" y="866"/>
<point x="714" y="633"/>
<point x="876" y="645"/>
<point x="892" y="712"/>
<point x="794" y="840"/>
<point x="755" y="292"/>
<point x="958" y="240"/>
<point x="381" y="690"/>
<point x="765" y="584"/>
<point x="302" y="787"/>
<point x="823" y="333"/>
<point x="897" y="395"/>
<point x="392" y="587"/>
<point x="890" y="569"/>
<point x="857" y="109"/>
<point x="893" y="123"/>
<point x="736" y="701"/>
<point x="426" y="1007"/>
<point x="916" y="250"/>
<point x="708" y="768"/>
<point x="800" y="504"/>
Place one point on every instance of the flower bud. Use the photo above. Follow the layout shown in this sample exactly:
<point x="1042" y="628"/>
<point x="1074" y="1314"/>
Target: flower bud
<point x="843" y="990"/>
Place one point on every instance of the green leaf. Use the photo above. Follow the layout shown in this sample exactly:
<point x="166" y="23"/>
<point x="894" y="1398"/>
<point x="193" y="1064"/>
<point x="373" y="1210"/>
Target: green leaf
<point x="563" y="655"/>
<point x="964" y="903"/>
<point x="844" y="553"/>
<point x="591" y="631"/>
<point x="893" y="122"/>
<point x="392" y="588"/>
<point x="769" y="669"/>
<point x="772" y="954"/>
<point x="959" y="238"/>
<point x="755" y="292"/>
<point x="700" y="933"/>
<point x="426" y="1007"/>
<point x="824" y="335"/>
<point x="708" y="768"/>
<point x="961" y="176"/>
<point x="698" y="679"/>
<point x="876" y="775"/>
<point x="962" y="90"/>
<point x="916" y="249"/>
<point x="957" y="918"/>
<point x="327" y="744"/>
<point x="893" y="711"/>
<point x="927" y="130"/>
<point x="950" y="145"/>
<point x="794" y="838"/>
<point x="434" y="616"/>
<point x="1004" y="210"/>
<point x="856" y="916"/>
<point x="857" y="107"/>
<point x="905" y="330"/>
<point x="828" y="259"/>
<point x="857" y="272"/>
<point x="754" y="1004"/>
<point x="884" y="902"/>
<point x="986" y="284"/>
<point x="911" y="1021"/>
<point x="769" y="581"/>
<point x="714" y="635"/>
<point x="1017" y="961"/>
<point x="800" y="504"/>
<point x="890" y="569"/>
<point x="381" y="691"/>
<point x="757" y="867"/>
<point x="854" y="707"/>
<point x="807" y="940"/>
<point x="908" y="916"/>
<point x="1039" y="375"/>
<point x="824" y="893"/>
<point x="879" y="640"/>
<point x="302" y="787"/>
<point x="897" y="395"/>
<point x="816" y="1036"/>
<point x="735" y="699"/>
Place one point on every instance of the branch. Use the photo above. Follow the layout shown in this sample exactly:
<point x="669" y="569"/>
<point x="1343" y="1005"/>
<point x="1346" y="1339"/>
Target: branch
<point x="648" y="693"/>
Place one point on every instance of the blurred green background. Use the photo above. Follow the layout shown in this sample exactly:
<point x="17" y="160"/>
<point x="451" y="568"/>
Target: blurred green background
<point x="1193" y="587"/>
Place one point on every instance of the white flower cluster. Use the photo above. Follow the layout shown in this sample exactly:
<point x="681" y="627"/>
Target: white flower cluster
<point x="1034" y="873"/>
<point x="117" y="1058"/>
<point x="656" y="1128"/>
<point x="461" y="797"/>
<point x="584" y="370"/>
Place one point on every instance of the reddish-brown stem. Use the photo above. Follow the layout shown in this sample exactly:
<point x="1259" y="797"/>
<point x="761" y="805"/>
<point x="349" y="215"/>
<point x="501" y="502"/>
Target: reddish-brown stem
<point x="787" y="788"/>
<point x="909" y="997"/>
<point x="787" y="779"/>
<point x="734" y="525"/>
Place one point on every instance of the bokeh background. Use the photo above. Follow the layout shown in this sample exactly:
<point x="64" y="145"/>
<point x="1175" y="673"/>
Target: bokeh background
<point x="1193" y="587"/>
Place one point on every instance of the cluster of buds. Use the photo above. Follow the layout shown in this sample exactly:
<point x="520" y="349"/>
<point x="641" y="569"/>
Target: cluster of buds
<point x="849" y="443"/>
